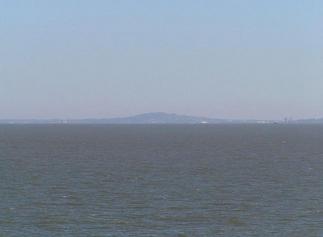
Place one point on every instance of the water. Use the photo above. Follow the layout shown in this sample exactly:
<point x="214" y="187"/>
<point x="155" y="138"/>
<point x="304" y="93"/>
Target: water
<point x="174" y="180"/>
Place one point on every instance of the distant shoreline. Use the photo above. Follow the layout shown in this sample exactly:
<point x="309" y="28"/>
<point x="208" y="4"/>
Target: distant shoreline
<point x="158" y="118"/>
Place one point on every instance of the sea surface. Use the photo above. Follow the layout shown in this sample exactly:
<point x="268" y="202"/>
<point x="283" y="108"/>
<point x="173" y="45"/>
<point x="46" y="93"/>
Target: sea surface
<point x="161" y="180"/>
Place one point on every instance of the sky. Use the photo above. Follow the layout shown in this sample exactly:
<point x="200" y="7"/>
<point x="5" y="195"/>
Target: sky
<point x="232" y="59"/>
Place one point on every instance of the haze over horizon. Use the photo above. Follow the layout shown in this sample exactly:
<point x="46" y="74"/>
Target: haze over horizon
<point x="219" y="59"/>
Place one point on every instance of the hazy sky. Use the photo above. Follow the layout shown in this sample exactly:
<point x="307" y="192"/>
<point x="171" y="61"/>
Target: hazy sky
<point x="105" y="58"/>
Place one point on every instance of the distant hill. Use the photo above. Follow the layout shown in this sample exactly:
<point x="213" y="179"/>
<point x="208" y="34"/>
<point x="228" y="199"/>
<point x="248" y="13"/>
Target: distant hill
<point x="163" y="118"/>
<point x="146" y="118"/>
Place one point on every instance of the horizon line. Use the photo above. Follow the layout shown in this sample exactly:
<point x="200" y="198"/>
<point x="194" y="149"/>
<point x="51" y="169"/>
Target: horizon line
<point x="60" y="119"/>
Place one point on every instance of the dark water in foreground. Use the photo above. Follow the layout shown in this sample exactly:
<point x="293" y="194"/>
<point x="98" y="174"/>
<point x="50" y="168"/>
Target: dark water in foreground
<point x="233" y="180"/>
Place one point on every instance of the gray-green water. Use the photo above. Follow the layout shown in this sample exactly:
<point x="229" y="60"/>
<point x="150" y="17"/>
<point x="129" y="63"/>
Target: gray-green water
<point x="221" y="180"/>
